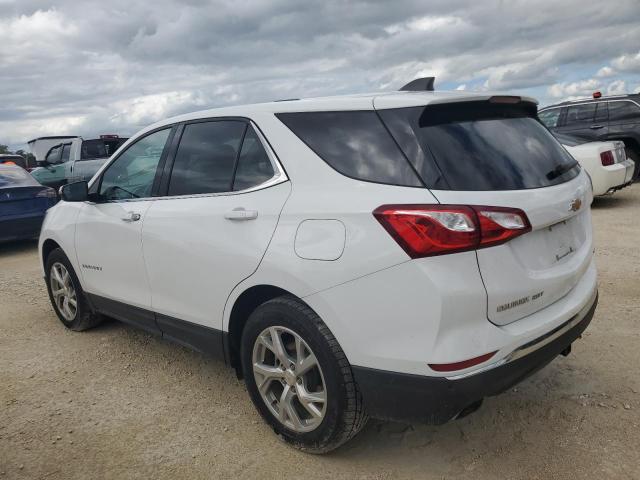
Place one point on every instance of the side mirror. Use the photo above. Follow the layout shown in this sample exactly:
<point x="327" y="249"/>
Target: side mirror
<point x="75" y="192"/>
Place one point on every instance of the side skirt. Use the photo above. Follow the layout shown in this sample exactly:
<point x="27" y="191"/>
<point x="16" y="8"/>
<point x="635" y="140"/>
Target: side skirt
<point x="200" y="338"/>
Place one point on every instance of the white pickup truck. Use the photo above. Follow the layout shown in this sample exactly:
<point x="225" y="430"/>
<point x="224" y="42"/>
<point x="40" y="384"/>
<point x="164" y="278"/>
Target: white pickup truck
<point x="70" y="159"/>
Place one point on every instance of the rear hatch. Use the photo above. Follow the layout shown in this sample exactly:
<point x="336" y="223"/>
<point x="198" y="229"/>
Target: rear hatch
<point x="496" y="153"/>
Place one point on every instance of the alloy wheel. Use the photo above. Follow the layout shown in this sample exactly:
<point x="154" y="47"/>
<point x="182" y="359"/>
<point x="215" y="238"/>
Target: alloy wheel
<point x="289" y="379"/>
<point x="63" y="291"/>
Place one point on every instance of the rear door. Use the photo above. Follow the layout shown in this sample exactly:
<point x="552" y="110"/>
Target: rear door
<point x="223" y="199"/>
<point x="585" y="120"/>
<point x="508" y="159"/>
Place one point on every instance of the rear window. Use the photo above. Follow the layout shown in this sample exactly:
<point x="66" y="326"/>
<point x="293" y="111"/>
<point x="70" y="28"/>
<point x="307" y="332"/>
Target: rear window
<point x="355" y="143"/>
<point x="15" y="177"/>
<point x="100" y="148"/>
<point x="570" y="140"/>
<point x="480" y="146"/>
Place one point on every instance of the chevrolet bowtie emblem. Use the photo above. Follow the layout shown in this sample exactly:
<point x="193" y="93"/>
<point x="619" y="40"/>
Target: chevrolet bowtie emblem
<point x="575" y="205"/>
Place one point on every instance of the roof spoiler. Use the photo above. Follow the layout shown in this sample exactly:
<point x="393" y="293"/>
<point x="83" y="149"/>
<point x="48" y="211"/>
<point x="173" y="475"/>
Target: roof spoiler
<point x="424" y="84"/>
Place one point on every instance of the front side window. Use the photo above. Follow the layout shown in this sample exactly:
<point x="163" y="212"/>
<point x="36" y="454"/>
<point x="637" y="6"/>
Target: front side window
<point x="132" y="174"/>
<point x="54" y="154"/>
<point x="206" y="157"/>
<point x="623" y="110"/>
<point x="550" y="117"/>
<point x="584" y="113"/>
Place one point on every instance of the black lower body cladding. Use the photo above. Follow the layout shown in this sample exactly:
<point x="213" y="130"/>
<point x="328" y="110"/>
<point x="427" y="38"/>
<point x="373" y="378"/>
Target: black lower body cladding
<point x="436" y="400"/>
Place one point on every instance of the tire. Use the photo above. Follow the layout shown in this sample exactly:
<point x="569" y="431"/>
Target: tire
<point x="635" y="156"/>
<point x="83" y="316"/>
<point x="343" y="414"/>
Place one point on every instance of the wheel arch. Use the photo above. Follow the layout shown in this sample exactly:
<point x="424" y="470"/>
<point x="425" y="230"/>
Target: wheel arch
<point x="243" y="306"/>
<point x="48" y="246"/>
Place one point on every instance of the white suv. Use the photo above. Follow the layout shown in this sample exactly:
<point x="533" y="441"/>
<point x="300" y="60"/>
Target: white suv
<point x="399" y="255"/>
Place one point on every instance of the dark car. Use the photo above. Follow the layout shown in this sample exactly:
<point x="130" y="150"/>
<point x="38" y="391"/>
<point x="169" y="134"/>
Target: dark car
<point x="599" y="119"/>
<point x="23" y="203"/>
<point x="13" y="159"/>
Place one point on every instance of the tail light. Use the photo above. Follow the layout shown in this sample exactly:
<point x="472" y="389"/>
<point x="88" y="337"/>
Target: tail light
<point x="429" y="230"/>
<point x="607" y="158"/>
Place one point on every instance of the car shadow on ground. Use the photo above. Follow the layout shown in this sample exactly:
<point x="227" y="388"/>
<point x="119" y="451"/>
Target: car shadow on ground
<point x="17" y="247"/>
<point x="606" y="202"/>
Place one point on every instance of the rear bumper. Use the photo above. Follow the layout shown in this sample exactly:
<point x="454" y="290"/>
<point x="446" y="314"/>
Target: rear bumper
<point x="21" y="227"/>
<point x="436" y="400"/>
<point x="613" y="177"/>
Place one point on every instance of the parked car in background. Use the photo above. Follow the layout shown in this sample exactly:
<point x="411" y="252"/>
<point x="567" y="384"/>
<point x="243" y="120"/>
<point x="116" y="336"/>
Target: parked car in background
<point x="75" y="159"/>
<point x="400" y="255"/>
<point x="39" y="147"/>
<point x="13" y="159"/>
<point x="599" y="119"/>
<point x="23" y="203"/>
<point x="605" y="162"/>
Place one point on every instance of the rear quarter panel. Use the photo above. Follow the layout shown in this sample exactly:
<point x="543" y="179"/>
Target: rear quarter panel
<point x="321" y="193"/>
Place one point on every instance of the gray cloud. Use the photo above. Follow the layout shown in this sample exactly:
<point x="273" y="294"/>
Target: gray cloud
<point x="114" y="66"/>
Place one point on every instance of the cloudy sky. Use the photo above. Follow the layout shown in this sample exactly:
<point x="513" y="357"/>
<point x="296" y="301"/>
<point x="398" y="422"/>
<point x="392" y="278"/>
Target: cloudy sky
<point x="113" y="66"/>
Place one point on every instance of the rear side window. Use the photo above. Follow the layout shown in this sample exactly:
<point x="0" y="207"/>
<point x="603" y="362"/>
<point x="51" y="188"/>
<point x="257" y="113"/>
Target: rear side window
<point x="581" y="113"/>
<point x="206" y="158"/>
<point x="623" y="110"/>
<point x="492" y="150"/>
<point x="254" y="166"/>
<point x="355" y="143"/>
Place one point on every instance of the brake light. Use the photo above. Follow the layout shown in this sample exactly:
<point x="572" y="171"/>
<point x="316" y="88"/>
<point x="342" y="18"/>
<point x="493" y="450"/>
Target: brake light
<point x="429" y="230"/>
<point x="607" y="158"/>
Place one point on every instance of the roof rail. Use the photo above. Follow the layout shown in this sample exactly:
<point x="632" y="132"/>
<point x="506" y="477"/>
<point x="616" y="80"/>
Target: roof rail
<point x="424" y="84"/>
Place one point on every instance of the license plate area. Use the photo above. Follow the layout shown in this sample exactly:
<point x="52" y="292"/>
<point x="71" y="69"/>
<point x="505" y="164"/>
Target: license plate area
<point x="561" y="240"/>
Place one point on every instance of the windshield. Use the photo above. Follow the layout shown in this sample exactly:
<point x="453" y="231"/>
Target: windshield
<point x="479" y="147"/>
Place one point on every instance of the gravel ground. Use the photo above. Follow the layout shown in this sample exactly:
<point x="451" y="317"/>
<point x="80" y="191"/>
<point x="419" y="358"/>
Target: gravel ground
<point x="114" y="402"/>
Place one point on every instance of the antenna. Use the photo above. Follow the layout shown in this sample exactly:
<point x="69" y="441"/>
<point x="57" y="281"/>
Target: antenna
<point x="424" y="84"/>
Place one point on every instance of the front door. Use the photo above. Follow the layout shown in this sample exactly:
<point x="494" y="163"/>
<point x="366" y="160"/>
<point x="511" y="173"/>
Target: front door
<point x="109" y="232"/>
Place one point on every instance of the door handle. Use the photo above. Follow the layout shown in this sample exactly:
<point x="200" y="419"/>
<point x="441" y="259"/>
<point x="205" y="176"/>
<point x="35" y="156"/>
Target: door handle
<point x="131" y="217"/>
<point x="241" y="214"/>
<point x="595" y="127"/>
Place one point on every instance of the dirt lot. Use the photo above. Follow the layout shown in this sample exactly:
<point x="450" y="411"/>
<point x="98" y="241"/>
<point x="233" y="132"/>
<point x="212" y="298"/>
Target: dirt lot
<point x="117" y="403"/>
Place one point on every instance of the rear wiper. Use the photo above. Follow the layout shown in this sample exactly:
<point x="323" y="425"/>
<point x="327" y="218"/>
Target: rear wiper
<point x="560" y="169"/>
